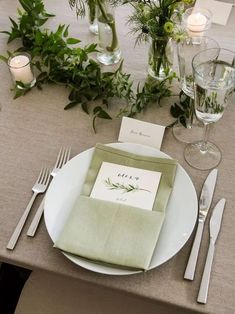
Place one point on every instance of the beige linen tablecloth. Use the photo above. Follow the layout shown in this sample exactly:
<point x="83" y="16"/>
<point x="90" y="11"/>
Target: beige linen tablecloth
<point x="34" y="127"/>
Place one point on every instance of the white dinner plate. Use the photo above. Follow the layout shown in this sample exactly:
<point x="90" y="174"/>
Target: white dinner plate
<point x="181" y="211"/>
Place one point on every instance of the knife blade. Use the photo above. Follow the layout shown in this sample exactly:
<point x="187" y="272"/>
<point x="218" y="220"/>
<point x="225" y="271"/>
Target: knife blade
<point x="215" y="224"/>
<point x="204" y="206"/>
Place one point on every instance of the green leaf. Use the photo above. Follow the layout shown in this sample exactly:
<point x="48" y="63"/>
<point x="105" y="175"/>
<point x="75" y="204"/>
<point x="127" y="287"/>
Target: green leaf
<point x="72" y="41"/>
<point x="5" y="32"/>
<point x="91" y="48"/>
<point x="66" y="32"/>
<point x="3" y="58"/>
<point x="14" y="23"/>
<point x="85" y="108"/>
<point x="71" y="105"/>
<point x="26" y="5"/>
<point x="101" y="113"/>
<point x="38" y="38"/>
<point x="18" y="93"/>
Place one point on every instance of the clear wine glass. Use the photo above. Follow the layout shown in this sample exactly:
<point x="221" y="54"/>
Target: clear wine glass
<point x="214" y="82"/>
<point x="186" y="50"/>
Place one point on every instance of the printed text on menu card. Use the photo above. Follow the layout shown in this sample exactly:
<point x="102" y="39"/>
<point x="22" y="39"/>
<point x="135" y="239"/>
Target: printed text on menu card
<point x="127" y="185"/>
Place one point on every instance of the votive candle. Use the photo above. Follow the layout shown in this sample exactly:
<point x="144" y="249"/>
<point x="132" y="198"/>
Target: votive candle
<point x="196" y="22"/>
<point x="20" y="68"/>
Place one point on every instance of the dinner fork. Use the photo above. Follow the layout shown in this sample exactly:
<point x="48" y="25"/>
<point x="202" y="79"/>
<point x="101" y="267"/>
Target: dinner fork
<point x="40" y="186"/>
<point x="62" y="158"/>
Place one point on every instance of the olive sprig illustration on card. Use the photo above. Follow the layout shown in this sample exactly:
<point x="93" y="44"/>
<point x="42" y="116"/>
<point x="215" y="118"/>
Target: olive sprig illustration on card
<point x="126" y="188"/>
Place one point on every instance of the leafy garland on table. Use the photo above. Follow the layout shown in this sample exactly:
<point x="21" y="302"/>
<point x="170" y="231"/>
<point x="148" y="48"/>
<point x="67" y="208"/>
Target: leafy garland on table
<point x="150" y="20"/>
<point x="59" y="63"/>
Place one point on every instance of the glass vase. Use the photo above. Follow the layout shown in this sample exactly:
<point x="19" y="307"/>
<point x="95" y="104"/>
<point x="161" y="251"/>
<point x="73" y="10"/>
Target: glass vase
<point x="92" y="15"/>
<point x="109" y="51"/>
<point x="160" y="58"/>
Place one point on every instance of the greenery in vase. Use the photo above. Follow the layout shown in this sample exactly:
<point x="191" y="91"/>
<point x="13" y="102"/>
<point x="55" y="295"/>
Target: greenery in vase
<point x="104" y="16"/>
<point x="92" y="10"/>
<point x="157" y="21"/>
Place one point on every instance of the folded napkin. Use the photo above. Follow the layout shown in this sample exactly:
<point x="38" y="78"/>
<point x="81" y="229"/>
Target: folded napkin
<point x="112" y="233"/>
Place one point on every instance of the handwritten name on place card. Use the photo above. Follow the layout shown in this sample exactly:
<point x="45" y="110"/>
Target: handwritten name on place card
<point x="127" y="185"/>
<point x="140" y="132"/>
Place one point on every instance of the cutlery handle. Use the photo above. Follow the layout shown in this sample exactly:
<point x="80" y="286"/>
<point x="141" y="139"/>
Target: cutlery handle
<point x="191" y="266"/>
<point x="14" y="238"/>
<point x="203" y="291"/>
<point x="36" y="219"/>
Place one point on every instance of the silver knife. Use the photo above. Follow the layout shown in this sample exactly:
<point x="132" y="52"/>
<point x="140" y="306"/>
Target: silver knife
<point x="204" y="205"/>
<point x="215" y="223"/>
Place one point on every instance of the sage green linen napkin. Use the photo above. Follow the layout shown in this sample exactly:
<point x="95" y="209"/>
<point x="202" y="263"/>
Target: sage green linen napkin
<point x="112" y="233"/>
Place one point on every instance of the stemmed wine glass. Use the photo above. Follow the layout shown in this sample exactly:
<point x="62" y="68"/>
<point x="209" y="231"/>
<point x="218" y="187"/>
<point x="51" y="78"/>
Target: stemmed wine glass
<point x="186" y="50"/>
<point x="214" y="82"/>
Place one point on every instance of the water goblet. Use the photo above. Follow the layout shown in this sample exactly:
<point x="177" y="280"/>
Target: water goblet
<point x="186" y="50"/>
<point x="214" y="82"/>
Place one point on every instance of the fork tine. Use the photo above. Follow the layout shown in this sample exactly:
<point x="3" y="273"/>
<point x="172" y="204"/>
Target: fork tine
<point x="40" y="175"/>
<point x="58" y="158"/>
<point x="68" y="154"/>
<point x="62" y="158"/>
<point x="44" y="176"/>
<point x="47" y="176"/>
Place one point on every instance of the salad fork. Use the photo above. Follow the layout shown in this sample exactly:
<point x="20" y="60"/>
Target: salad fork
<point x="40" y="186"/>
<point x="62" y="158"/>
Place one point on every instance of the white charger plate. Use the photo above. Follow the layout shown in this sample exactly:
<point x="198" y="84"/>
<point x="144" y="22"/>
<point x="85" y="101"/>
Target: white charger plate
<point x="181" y="211"/>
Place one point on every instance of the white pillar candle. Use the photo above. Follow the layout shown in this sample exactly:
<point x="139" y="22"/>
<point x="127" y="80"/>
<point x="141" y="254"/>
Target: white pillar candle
<point x="196" y="22"/>
<point x="20" y="69"/>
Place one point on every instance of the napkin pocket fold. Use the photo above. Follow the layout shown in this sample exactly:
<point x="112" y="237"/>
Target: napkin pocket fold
<point x="111" y="233"/>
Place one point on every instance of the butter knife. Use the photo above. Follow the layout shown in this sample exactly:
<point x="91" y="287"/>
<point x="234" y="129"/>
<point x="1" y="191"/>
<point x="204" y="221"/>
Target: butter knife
<point x="215" y="223"/>
<point x="204" y="206"/>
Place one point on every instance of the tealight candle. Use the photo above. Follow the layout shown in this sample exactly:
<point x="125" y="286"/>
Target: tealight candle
<point x="20" y="69"/>
<point x="196" y="22"/>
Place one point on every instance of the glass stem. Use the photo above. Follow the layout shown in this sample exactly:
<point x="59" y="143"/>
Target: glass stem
<point x="204" y="146"/>
<point x="189" y="123"/>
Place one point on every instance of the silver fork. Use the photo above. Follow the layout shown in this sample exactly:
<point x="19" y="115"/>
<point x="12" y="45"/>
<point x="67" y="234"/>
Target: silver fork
<point x="39" y="187"/>
<point x="62" y="158"/>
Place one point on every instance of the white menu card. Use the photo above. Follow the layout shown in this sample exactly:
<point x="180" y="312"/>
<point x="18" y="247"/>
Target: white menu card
<point x="127" y="185"/>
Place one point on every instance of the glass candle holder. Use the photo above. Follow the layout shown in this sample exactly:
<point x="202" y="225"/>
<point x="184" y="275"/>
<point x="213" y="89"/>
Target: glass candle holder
<point x="21" y="71"/>
<point x="196" y="21"/>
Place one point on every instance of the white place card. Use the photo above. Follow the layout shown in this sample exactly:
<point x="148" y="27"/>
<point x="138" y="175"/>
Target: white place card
<point x="220" y="10"/>
<point x="140" y="132"/>
<point x="126" y="185"/>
